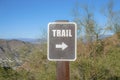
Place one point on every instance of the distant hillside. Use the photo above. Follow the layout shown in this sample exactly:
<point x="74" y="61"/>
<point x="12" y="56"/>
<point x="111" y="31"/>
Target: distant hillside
<point x="34" y="41"/>
<point x="13" y="52"/>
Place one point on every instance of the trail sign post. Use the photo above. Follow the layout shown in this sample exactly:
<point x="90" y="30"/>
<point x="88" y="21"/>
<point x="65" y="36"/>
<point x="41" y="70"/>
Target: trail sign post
<point x="62" y="37"/>
<point x="62" y="41"/>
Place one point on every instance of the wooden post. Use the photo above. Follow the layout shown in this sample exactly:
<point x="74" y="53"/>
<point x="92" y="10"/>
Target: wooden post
<point x="63" y="70"/>
<point x="62" y="66"/>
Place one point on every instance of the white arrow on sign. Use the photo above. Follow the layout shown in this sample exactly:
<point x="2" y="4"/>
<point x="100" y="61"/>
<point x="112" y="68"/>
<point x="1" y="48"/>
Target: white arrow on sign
<point x="63" y="46"/>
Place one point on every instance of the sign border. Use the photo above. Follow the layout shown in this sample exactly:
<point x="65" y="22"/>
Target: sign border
<point x="75" y="41"/>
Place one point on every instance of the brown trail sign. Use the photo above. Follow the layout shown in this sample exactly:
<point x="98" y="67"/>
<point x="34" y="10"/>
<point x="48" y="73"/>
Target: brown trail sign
<point x="62" y="40"/>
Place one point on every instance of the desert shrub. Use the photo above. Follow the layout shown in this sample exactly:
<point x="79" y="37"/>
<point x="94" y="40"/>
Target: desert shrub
<point x="100" y="67"/>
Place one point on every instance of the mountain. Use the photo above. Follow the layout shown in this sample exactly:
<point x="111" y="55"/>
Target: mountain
<point x="13" y="52"/>
<point x="31" y="40"/>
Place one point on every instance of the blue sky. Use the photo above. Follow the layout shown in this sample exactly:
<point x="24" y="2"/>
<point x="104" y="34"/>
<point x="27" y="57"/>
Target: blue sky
<point x="27" y="18"/>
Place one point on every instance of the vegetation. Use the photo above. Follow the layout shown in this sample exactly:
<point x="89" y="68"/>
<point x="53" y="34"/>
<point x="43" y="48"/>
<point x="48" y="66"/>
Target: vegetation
<point x="99" y="66"/>
<point x="100" y="62"/>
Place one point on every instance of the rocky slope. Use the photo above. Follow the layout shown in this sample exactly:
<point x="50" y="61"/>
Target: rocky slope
<point x="14" y="52"/>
